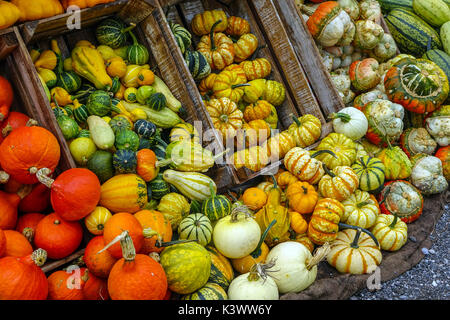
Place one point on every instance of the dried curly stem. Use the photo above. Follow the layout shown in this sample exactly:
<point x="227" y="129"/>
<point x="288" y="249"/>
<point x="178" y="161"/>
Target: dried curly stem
<point x="319" y="255"/>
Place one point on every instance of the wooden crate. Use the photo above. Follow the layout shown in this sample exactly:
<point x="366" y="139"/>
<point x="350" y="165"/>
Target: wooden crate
<point x="14" y="66"/>
<point x="286" y="68"/>
<point x="309" y="55"/>
<point x="146" y="15"/>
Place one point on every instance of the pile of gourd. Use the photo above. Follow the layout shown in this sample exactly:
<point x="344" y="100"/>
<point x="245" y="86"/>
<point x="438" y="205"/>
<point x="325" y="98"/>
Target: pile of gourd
<point x="234" y="83"/>
<point x="21" y="11"/>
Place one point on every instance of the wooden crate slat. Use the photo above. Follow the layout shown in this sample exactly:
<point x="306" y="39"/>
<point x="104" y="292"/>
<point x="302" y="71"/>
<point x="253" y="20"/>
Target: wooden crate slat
<point x="311" y="60"/>
<point x="286" y="57"/>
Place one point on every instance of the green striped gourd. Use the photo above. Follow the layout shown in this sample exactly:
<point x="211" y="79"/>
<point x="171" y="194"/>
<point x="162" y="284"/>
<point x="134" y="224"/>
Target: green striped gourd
<point x="182" y="36"/>
<point x="184" y="131"/>
<point x="69" y="80"/>
<point x="125" y="161"/>
<point x="435" y="12"/>
<point x="112" y="32"/>
<point x="127" y="139"/>
<point x="370" y="172"/>
<point x="80" y="112"/>
<point x="175" y="207"/>
<point x="99" y="103"/>
<point x="84" y="133"/>
<point x="195" y="206"/>
<point x="137" y="53"/>
<point x="187" y="267"/>
<point x="217" y="206"/>
<point x="222" y="272"/>
<point x="119" y="123"/>
<point x="196" y="226"/>
<point x="156" y="101"/>
<point x="210" y="291"/>
<point x="388" y="5"/>
<point x="144" y="128"/>
<point x="411" y="33"/>
<point x="159" y="187"/>
<point x="197" y="64"/>
<point x="193" y="185"/>
<point x="441" y="58"/>
<point x="445" y="36"/>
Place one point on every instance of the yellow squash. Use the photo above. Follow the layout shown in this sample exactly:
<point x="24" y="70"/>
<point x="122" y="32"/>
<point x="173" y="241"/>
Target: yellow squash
<point x="89" y="64"/>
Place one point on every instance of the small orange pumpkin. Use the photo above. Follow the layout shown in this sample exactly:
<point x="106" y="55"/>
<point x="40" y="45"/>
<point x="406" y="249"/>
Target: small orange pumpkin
<point x="146" y="164"/>
<point x="298" y="223"/>
<point x="16" y="244"/>
<point x="156" y="229"/>
<point x="302" y="197"/>
<point x="254" y="198"/>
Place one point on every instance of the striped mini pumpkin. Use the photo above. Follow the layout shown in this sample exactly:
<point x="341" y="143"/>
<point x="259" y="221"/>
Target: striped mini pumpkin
<point x="256" y="69"/>
<point x="339" y="184"/>
<point x="299" y="162"/>
<point x="222" y="272"/>
<point x="159" y="187"/>
<point x="361" y="209"/>
<point x="95" y="221"/>
<point x="182" y="36"/>
<point x="196" y="226"/>
<point x="217" y="206"/>
<point x="197" y="64"/>
<point x="144" y="128"/>
<point x="391" y="234"/>
<point x="370" y="172"/>
<point x="358" y="259"/>
<point x="210" y="291"/>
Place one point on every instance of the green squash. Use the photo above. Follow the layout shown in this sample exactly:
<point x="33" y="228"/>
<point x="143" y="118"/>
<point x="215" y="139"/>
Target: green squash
<point x="196" y="226"/>
<point x="144" y="128"/>
<point x="441" y="58"/>
<point x="119" y="123"/>
<point x="156" y="101"/>
<point x="196" y="206"/>
<point x="101" y="163"/>
<point x="143" y="93"/>
<point x="187" y="267"/>
<point x="197" y="64"/>
<point x="137" y="53"/>
<point x="210" y="291"/>
<point x="80" y="112"/>
<point x="84" y="92"/>
<point x="217" y="206"/>
<point x="84" y="133"/>
<point x="69" y="80"/>
<point x="48" y="76"/>
<point x="69" y="127"/>
<point x="370" y="172"/>
<point x="127" y="140"/>
<point x="99" y="103"/>
<point x="222" y="272"/>
<point x="182" y="36"/>
<point x="159" y="148"/>
<point x="159" y="187"/>
<point x="112" y="32"/>
<point x="115" y="85"/>
<point x="125" y="161"/>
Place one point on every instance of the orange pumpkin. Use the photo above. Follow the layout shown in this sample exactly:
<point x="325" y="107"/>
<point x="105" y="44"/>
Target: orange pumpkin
<point x="146" y="164"/>
<point x="38" y="200"/>
<point x="74" y="193"/>
<point x="256" y="69"/>
<point x="26" y="224"/>
<point x="67" y="285"/>
<point x="298" y="223"/>
<point x="237" y="26"/>
<point x="8" y="209"/>
<point x="225" y="116"/>
<point x="26" y="150"/>
<point x="302" y="197"/>
<point x="116" y="225"/>
<point x="254" y="198"/>
<point x="279" y="145"/>
<point x="136" y="276"/>
<point x="15" y="120"/>
<point x="253" y="133"/>
<point x="245" y="47"/>
<point x="57" y="236"/>
<point x="6" y="98"/>
<point x="285" y="178"/>
<point x="217" y="48"/>
<point x="259" y="110"/>
<point x="99" y="264"/>
<point x="95" y="288"/>
<point x="228" y="84"/>
<point x="206" y="86"/>
<point x="2" y="243"/>
<point x="16" y="244"/>
<point x="156" y="229"/>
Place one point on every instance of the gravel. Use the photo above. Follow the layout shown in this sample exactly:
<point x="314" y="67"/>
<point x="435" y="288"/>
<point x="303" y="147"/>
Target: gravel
<point x="428" y="280"/>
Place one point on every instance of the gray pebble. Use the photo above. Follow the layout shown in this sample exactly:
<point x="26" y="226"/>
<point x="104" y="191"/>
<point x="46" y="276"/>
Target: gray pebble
<point x="413" y="239"/>
<point x="432" y="251"/>
<point x="425" y="251"/>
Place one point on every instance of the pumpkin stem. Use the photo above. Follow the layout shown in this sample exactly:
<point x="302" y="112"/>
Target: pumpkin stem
<point x="43" y="176"/>
<point x="257" y="251"/>
<point x="340" y="115"/>
<point x="150" y="233"/>
<point x="128" y="250"/>
<point x="29" y="234"/>
<point x="234" y="86"/>
<point x="261" y="270"/>
<point x="131" y="27"/>
<point x="328" y="171"/>
<point x="31" y="123"/>
<point x="6" y="130"/>
<point x="354" y="243"/>
<point x="38" y="256"/>
<point x="133" y="37"/>
<point x="370" y="234"/>
<point x="24" y="190"/>
<point x="213" y="45"/>
<point x="4" y="177"/>
<point x="394" y="222"/>
<point x="211" y="189"/>
<point x="362" y="204"/>
<point x="318" y="255"/>
<point x="155" y="256"/>
<point x="319" y="152"/>
<point x="241" y="208"/>
<point x="275" y="185"/>
<point x="297" y="122"/>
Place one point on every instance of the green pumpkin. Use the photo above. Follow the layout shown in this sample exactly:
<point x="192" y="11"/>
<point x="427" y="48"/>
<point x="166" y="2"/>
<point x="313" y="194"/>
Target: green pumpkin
<point x="112" y="32"/>
<point x="119" y="123"/>
<point x="370" y="172"/>
<point x="125" y="161"/>
<point x="137" y="53"/>
<point x="144" y="128"/>
<point x="197" y="64"/>
<point x="58" y="111"/>
<point x="101" y="163"/>
<point x="157" y="101"/>
<point x="222" y="272"/>
<point x="84" y="92"/>
<point x="210" y="291"/>
<point x="187" y="267"/>
<point x="217" y="206"/>
<point x="182" y="36"/>
<point x="84" y="133"/>
<point x="196" y="206"/>
<point x="127" y="139"/>
<point x="159" y="187"/>
<point x="69" y="127"/>
<point x="99" y="103"/>
<point x="196" y="226"/>
<point x="69" y="80"/>
<point x="80" y="112"/>
<point x="115" y="85"/>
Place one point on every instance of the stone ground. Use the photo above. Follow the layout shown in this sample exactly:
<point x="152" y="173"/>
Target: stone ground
<point x="429" y="279"/>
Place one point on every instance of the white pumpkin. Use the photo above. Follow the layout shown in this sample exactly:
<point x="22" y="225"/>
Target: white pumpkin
<point x="427" y="174"/>
<point x="254" y="285"/>
<point x="351" y="122"/>
<point x="439" y="128"/>
<point x="336" y="30"/>
<point x="295" y="268"/>
<point x="351" y="7"/>
<point x="390" y="231"/>
<point x="370" y="10"/>
<point x="237" y="234"/>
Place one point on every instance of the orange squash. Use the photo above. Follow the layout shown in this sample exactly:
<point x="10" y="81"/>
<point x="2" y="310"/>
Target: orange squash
<point x="83" y="3"/>
<point x="285" y="178"/>
<point x="146" y="164"/>
<point x="2" y="243"/>
<point x="298" y="223"/>
<point x="156" y="229"/>
<point x="64" y="285"/>
<point x="245" y="47"/>
<point x="16" y="244"/>
<point x="95" y="288"/>
<point x="228" y="84"/>
<point x="259" y="110"/>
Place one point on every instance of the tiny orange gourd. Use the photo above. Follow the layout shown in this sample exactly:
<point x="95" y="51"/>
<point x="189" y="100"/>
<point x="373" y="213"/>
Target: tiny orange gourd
<point x="254" y="198"/>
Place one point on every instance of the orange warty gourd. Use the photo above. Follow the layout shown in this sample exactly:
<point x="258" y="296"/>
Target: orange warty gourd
<point x="63" y="285"/>
<point x="6" y="98"/>
<point x="57" y="236"/>
<point x="2" y="243"/>
<point x="22" y="278"/>
<point x="160" y="229"/>
<point x="38" y="200"/>
<point x="302" y="197"/>
<point x="27" y="223"/>
<point x="254" y="198"/>
<point x="118" y="223"/>
<point x="99" y="264"/>
<point x="16" y="244"/>
<point x="74" y="193"/>
<point x="26" y="150"/>
<point x="136" y="276"/>
<point x="95" y="288"/>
